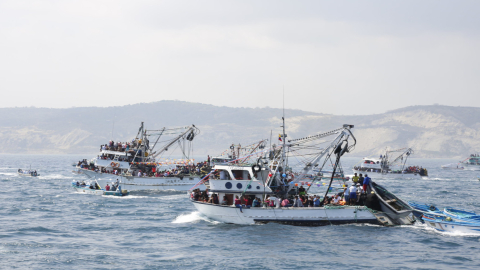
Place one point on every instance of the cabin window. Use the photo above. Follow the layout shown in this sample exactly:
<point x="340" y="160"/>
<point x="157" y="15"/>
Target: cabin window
<point x="224" y="175"/>
<point x="241" y="175"/>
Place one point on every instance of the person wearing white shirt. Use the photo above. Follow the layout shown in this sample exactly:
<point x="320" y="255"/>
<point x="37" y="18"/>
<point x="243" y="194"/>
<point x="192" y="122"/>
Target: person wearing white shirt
<point x="346" y="194"/>
<point x="353" y="195"/>
<point x="336" y="200"/>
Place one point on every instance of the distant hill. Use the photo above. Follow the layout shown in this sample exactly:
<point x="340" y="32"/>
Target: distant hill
<point x="433" y="131"/>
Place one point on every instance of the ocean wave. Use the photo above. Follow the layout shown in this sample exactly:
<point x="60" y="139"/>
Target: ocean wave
<point x="193" y="217"/>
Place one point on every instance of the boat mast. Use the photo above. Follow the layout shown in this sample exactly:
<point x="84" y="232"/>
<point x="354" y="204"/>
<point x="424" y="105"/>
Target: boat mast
<point x="140" y="131"/>
<point x="284" y="161"/>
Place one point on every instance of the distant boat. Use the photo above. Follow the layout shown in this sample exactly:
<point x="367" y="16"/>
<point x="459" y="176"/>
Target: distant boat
<point x="136" y="163"/>
<point x="30" y="173"/>
<point x="390" y="166"/>
<point x="472" y="162"/>
<point x="452" y="166"/>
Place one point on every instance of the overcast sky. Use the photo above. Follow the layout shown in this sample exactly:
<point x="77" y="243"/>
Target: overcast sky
<point x="339" y="57"/>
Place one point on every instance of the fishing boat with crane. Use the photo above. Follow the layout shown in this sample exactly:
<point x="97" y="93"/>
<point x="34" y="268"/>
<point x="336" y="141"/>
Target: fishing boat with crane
<point x="271" y="176"/>
<point x="140" y="164"/>
<point x="391" y="164"/>
<point x="471" y="163"/>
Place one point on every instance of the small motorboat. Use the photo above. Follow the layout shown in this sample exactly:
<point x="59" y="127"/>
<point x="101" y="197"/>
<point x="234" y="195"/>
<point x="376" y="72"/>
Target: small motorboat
<point x="32" y="173"/>
<point x="391" y="205"/>
<point x="95" y="189"/>
<point x="447" y="224"/>
<point x="452" y="166"/>
<point x="448" y="220"/>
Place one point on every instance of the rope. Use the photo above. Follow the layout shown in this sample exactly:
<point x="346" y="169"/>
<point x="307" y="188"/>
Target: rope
<point x="325" y="210"/>
<point x="202" y="180"/>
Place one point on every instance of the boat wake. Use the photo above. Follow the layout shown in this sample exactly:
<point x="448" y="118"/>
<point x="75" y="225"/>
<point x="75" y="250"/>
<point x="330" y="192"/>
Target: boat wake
<point x="53" y="177"/>
<point x="193" y="217"/>
<point x="9" y="174"/>
<point x="125" y="197"/>
<point x="430" y="229"/>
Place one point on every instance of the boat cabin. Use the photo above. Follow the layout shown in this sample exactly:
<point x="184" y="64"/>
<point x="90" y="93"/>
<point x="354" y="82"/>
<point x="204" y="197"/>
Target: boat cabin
<point x="371" y="163"/>
<point x="236" y="180"/>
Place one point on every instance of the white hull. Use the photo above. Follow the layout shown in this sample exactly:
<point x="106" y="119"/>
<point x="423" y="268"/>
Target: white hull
<point x="146" y="183"/>
<point x="89" y="191"/>
<point x="389" y="175"/>
<point x="313" y="216"/>
<point x="453" y="227"/>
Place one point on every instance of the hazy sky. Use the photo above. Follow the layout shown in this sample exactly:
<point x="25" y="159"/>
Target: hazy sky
<point x="340" y="57"/>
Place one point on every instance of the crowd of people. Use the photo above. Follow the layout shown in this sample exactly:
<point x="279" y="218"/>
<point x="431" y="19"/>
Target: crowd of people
<point x="199" y="168"/>
<point x="121" y="146"/>
<point x="410" y="169"/>
<point x="94" y="185"/>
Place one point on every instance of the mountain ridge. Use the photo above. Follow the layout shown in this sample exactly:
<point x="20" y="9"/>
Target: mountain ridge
<point x="434" y="131"/>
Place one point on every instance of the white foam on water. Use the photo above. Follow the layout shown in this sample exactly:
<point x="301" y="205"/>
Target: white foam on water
<point x="9" y="174"/>
<point x="125" y="197"/>
<point x="52" y="176"/>
<point x="428" y="228"/>
<point x="193" y="218"/>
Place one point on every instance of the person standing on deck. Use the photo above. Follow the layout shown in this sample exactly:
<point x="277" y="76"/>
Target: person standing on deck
<point x="346" y="194"/>
<point x="366" y="182"/>
<point x="353" y="195"/>
<point x="360" y="179"/>
<point x="355" y="178"/>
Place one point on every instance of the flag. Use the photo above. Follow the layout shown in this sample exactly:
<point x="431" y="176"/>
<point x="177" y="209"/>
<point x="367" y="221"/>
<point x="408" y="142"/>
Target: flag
<point x="280" y="137"/>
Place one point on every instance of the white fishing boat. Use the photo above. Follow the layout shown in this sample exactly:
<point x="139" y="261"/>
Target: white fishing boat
<point x="471" y="163"/>
<point x="139" y="166"/>
<point x="29" y="173"/>
<point x="268" y="176"/>
<point x="388" y="166"/>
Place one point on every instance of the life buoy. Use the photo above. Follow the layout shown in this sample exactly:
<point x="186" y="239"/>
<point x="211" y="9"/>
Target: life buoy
<point x="232" y="147"/>
<point x="114" y="164"/>
<point x="432" y="208"/>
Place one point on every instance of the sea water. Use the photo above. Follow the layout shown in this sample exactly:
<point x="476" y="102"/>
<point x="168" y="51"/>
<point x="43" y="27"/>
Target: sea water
<point x="44" y="224"/>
